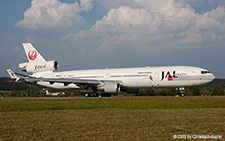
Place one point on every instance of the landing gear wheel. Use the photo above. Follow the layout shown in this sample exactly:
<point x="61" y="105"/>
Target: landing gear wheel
<point x="182" y="91"/>
<point x="91" y="95"/>
<point x="86" y="95"/>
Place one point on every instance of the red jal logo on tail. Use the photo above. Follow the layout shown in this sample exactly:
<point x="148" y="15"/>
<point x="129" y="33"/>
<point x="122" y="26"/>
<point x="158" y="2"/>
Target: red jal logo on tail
<point x="32" y="54"/>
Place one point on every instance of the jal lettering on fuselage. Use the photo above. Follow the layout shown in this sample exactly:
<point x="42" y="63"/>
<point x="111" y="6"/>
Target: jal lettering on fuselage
<point x="168" y="75"/>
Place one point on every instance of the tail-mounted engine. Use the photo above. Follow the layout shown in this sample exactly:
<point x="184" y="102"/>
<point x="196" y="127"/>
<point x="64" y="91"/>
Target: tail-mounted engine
<point x="39" y="67"/>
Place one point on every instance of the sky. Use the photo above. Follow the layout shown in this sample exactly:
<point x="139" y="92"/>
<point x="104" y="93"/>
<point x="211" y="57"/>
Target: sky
<point x="95" y="34"/>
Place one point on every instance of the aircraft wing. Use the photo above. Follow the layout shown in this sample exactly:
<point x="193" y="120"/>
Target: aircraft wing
<point x="66" y="81"/>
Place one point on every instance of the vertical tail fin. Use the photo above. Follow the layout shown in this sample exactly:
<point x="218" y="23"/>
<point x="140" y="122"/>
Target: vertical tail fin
<point x="47" y="93"/>
<point x="32" y="54"/>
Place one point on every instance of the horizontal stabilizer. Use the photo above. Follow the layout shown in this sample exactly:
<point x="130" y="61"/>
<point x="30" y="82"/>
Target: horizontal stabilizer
<point x="12" y="74"/>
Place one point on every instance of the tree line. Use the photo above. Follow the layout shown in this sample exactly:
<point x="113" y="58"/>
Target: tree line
<point x="204" y="91"/>
<point x="10" y="88"/>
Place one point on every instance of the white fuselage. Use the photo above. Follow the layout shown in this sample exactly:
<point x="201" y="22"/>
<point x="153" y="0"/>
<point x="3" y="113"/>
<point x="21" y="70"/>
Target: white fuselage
<point x="135" y="78"/>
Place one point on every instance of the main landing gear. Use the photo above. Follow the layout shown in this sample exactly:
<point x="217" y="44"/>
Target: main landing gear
<point x="91" y="95"/>
<point x="92" y="92"/>
<point x="97" y="95"/>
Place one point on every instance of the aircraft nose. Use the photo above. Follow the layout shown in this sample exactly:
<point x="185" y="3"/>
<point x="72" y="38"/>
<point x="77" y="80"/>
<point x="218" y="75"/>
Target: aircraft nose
<point x="212" y="77"/>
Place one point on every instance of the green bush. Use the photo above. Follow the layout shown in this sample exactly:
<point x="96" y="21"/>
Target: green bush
<point x="218" y="90"/>
<point x="196" y="92"/>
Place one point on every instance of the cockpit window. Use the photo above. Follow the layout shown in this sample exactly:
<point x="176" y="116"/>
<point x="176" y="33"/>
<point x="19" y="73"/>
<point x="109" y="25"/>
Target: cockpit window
<point x="204" y="72"/>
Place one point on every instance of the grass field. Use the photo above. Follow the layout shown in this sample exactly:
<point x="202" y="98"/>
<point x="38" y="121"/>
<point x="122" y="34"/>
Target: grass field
<point x="133" y="118"/>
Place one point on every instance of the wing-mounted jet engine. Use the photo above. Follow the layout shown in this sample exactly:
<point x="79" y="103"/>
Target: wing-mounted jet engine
<point x="110" y="87"/>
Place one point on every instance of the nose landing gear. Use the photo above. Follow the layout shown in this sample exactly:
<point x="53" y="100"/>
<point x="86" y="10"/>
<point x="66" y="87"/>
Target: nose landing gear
<point x="182" y="91"/>
<point x="181" y="94"/>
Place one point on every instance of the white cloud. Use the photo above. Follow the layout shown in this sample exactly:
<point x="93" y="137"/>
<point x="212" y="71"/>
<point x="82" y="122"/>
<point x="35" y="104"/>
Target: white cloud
<point x="114" y="4"/>
<point x="212" y="19"/>
<point x="53" y="13"/>
<point x="86" y="5"/>
<point x="189" y="38"/>
<point x="155" y="25"/>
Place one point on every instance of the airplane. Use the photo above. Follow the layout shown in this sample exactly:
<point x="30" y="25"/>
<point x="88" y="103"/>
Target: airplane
<point x="51" y="94"/>
<point x="109" y="81"/>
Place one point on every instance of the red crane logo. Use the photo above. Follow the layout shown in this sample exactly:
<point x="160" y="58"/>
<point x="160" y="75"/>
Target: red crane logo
<point x="32" y="55"/>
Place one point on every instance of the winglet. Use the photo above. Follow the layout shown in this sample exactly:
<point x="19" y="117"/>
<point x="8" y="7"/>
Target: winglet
<point x="12" y="75"/>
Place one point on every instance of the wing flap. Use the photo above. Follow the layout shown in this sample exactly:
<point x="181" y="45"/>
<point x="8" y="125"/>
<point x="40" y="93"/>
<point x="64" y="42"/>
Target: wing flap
<point x="66" y="81"/>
